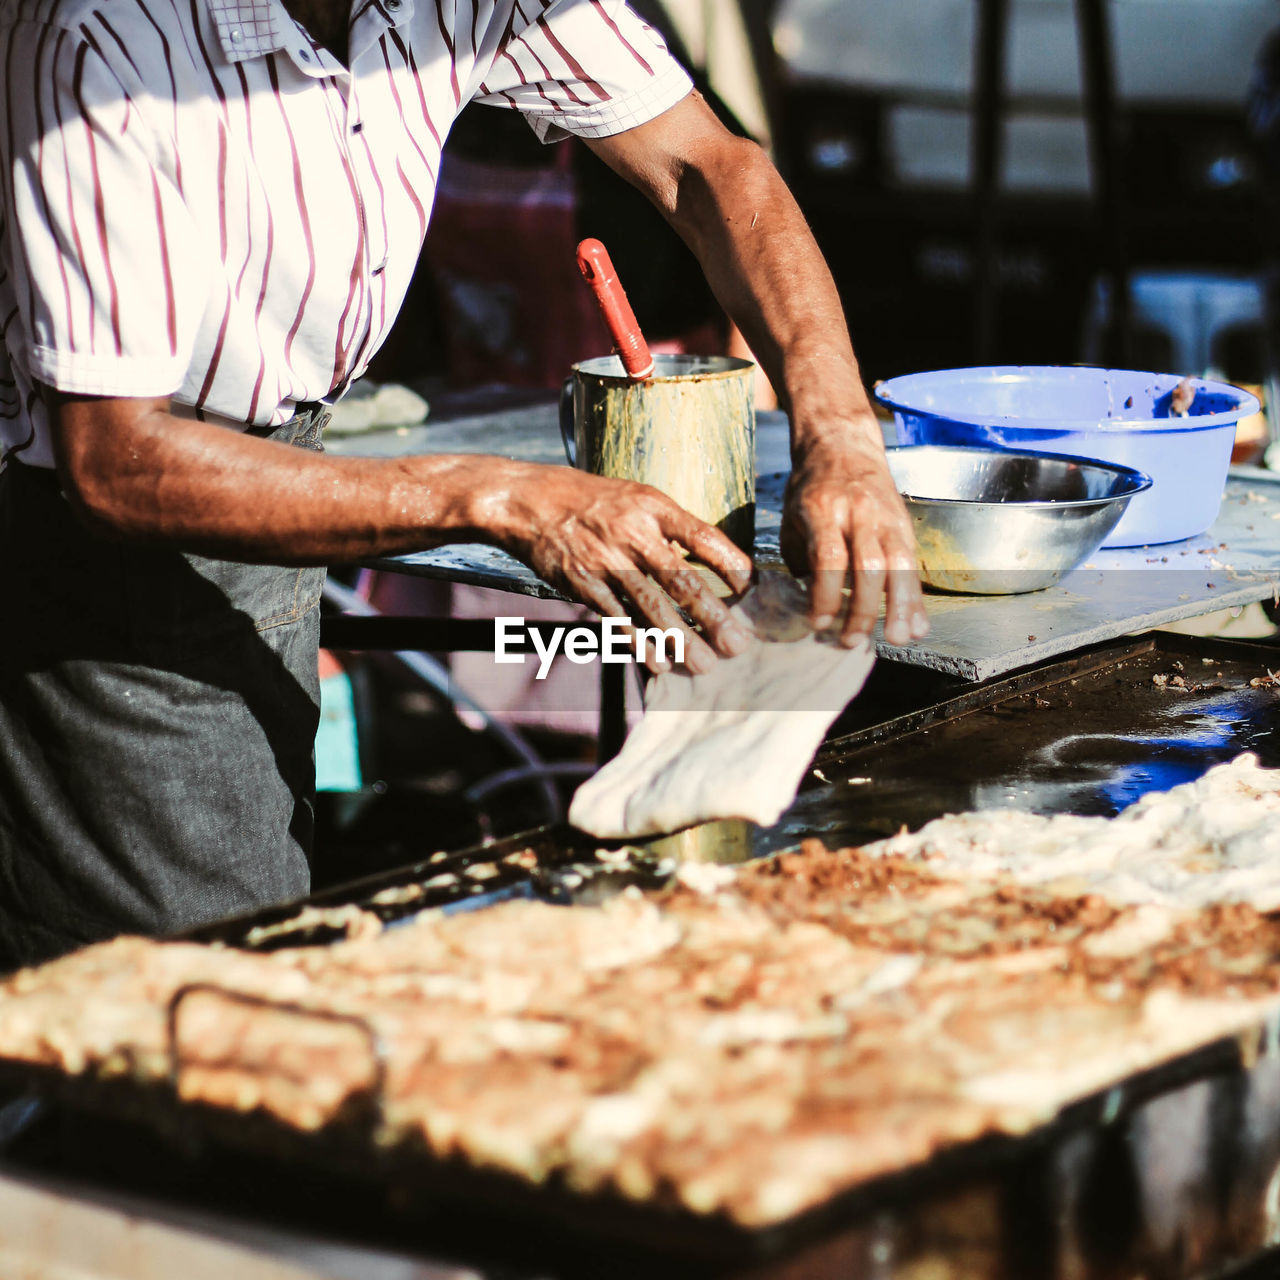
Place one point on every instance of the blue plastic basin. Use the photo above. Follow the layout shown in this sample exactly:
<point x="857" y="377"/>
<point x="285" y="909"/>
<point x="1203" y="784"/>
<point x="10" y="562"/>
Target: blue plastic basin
<point x="1115" y="415"/>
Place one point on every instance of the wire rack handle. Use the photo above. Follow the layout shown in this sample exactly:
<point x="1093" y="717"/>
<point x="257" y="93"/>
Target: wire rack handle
<point x="374" y="1092"/>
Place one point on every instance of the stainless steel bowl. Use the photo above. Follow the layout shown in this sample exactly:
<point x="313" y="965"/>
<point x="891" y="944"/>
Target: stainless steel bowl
<point x="992" y="522"/>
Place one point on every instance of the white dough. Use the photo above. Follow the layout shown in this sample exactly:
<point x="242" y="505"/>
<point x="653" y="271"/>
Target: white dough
<point x="732" y="743"/>
<point x="368" y="405"/>
<point x="1213" y="840"/>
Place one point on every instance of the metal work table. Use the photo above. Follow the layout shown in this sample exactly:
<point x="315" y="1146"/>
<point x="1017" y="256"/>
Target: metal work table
<point x="973" y="638"/>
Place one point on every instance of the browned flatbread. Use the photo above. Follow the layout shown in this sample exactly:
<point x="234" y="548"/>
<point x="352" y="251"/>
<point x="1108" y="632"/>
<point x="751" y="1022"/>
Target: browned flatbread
<point x="822" y="1019"/>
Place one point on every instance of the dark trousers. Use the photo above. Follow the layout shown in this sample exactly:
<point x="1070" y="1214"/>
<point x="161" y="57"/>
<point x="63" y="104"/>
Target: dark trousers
<point x="157" y="718"/>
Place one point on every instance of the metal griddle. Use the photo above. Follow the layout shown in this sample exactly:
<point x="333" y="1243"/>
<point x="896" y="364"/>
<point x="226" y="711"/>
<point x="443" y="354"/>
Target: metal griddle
<point x="1086" y="736"/>
<point x="1174" y="1173"/>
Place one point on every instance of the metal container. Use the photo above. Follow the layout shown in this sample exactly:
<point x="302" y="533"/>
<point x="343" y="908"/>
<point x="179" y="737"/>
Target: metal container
<point x="688" y="430"/>
<point x="1114" y="415"/>
<point x="990" y="522"/>
<point x="727" y="841"/>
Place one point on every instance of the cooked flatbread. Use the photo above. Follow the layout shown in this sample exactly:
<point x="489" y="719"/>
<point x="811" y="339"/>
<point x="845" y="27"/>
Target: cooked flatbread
<point x="749" y="1043"/>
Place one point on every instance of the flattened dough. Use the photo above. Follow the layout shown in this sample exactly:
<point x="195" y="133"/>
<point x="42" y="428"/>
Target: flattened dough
<point x="733" y="743"/>
<point x="1213" y="840"/>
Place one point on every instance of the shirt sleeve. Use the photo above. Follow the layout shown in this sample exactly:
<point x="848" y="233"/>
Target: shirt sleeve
<point x="587" y="67"/>
<point x="96" y="229"/>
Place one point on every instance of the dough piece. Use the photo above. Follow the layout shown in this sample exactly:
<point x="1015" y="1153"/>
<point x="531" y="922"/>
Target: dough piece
<point x="733" y="743"/>
<point x="1210" y="841"/>
<point x="368" y="405"/>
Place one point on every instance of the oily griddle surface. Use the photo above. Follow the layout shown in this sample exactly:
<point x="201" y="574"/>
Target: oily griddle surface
<point x="1086" y="738"/>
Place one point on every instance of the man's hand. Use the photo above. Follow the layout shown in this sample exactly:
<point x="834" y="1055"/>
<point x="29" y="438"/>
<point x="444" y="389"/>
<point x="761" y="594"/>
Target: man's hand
<point x="614" y="544"/>
<point x="134" y="471"/>
<point x="844" y="513"/>
<point x="722" y="194"/>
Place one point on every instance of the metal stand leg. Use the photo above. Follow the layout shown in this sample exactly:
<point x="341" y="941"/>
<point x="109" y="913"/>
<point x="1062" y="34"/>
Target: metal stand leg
<point x="1098" y="75"/>
<point x="613" y="710"/>
<point x="993" y="29"/>
<point x="1097" y="69"/>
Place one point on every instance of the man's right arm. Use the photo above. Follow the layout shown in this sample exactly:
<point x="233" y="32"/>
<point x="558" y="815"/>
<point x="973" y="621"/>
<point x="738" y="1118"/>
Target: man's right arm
<point x="135" y="471"/>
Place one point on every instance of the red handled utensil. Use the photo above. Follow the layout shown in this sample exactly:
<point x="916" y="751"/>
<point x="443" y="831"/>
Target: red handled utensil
<point x="597" y="269"/>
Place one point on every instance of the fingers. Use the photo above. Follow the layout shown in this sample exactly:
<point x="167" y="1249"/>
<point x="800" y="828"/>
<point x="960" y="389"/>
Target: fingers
<point x="713" y="548"/>
<point x="829" y="565"/>
<point x="689" y="589"/>
<point x="590" y="589"/>
<point x="625" y="541"/>
<point x="593" y="590"/>
<point x="905" y="617"/>
<point x="864" y="608"/>
<point x="650" y="599"/>
<point x="905" y="614"/>
<point x="871" y="537"/>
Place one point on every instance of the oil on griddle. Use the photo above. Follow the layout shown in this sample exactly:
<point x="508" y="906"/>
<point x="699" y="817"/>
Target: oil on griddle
<point x="1090" y="744"/>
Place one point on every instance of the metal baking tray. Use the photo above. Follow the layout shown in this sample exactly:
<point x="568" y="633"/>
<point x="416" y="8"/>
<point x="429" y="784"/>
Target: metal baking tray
<point x="1088" y="1195"/>
<point x="1170" y="1176"/>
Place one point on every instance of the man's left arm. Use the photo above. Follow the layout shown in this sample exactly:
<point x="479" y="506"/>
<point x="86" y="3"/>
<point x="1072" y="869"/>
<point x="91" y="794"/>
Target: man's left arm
<point x="725" y="198"/>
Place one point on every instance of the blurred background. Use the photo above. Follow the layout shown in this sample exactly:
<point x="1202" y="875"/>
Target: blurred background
<point x="899" y="125"/>
<point x="880" y="133"/>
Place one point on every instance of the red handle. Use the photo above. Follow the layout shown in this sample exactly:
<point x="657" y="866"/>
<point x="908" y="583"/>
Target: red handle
<point x="597" y="269"/>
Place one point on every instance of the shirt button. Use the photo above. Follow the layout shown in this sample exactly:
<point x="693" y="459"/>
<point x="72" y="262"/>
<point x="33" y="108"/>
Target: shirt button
<point x="392" y="5"/>
<point x="305" y="54"/>
<point x="236" y="35"/>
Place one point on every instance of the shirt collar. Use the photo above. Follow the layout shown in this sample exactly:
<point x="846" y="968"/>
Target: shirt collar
<point x="371" y="18"/>
<point x="253" y="28"/>
<point x="249" y="28"/>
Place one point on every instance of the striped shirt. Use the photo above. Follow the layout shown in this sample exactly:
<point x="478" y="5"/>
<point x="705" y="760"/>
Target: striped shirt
<point x="197" y="200"/>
